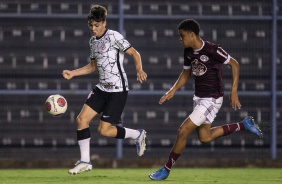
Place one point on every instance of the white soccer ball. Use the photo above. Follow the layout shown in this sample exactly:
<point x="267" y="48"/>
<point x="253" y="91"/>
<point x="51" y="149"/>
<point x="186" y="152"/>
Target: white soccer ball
<point x="56" y="105"/>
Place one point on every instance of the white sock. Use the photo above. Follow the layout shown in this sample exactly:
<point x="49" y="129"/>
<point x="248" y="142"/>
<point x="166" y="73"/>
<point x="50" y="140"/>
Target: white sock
<point x="84" y="146"/>
<point x="130" y="133"/>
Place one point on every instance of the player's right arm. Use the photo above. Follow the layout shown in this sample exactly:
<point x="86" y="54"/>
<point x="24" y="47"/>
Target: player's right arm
<point x="141" y="75"/>
<point x="90" y="68"/>
<point x="182" y="79"/>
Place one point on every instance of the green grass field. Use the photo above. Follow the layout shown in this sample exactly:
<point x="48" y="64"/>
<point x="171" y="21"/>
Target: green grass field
<point x="135" y="176"/>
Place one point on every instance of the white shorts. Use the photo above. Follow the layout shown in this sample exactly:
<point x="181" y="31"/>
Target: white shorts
<point x="205" y="110"/>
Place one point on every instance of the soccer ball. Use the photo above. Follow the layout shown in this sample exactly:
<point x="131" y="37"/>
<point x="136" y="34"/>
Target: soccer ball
<point x="56" y="105"/>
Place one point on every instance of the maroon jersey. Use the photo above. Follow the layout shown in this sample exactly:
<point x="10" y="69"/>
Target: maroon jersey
<point x="206" y="64"/>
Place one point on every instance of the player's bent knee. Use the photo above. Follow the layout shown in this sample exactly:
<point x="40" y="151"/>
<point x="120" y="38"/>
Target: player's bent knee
<point x="205" y="140"/>
<point x="81" y="121"/>
<point x="103" y="130"/>
<point x="78" y="120"/>
<point x="100" y="130"/>
<point x="182" y="132"/>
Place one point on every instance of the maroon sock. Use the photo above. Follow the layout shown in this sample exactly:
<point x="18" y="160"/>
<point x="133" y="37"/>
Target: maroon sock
<point x="230" y="128"/>
<point x="171" y="160"/>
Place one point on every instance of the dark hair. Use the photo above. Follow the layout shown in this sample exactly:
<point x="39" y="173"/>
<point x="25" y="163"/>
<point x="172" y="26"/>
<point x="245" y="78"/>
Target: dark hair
<point x="190" y="25"/>
<point x="97" y="13"/>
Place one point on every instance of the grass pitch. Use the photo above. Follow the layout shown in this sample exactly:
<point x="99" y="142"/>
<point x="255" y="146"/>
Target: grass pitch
<point x="135" y="176"/>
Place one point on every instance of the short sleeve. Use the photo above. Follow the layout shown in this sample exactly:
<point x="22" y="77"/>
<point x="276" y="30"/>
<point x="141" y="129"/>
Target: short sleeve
<point x="221" y="55"/>
<point x="120" y="42"/>
<point x="187" y="60"/>
<point x="92" y="57"/>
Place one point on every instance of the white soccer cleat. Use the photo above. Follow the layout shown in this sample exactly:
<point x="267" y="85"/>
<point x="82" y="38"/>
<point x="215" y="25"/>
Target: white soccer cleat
<point x="81" y="166"/>
<point x="140" y="142"/>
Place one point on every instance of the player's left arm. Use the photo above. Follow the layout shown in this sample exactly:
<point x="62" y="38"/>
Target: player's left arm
<point x="234" y="100"/>
<point x="141" y="75"/>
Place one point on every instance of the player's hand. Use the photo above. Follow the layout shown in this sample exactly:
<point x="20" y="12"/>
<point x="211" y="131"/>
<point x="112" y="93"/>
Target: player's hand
<point x="141" y="76"/>
<point x="67" y="74"/>
<point x="167" y="96"/>
<point x="234" y="101"/>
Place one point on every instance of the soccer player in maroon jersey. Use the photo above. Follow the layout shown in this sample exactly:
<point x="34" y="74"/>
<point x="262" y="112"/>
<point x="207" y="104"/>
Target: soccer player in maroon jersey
<point x="204" y="60"/>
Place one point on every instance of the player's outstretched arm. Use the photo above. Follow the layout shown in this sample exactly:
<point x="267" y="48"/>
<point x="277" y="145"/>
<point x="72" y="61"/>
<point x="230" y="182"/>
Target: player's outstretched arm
<point x="141" y="75"/>
<point x="90" y="68"/>
<point x="234" y="100"/>
<point x="182" y="79"/>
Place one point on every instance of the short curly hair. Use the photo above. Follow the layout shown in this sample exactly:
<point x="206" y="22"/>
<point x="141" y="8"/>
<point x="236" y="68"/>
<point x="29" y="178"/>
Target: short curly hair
<point x="190" y="25"/>
<point x="97" y="13"/>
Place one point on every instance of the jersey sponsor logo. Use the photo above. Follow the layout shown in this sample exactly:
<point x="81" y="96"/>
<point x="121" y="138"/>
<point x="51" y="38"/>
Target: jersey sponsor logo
<point x="204" y="58"/>
<point x="198" y="68"/>
<point x="108" y="85"/>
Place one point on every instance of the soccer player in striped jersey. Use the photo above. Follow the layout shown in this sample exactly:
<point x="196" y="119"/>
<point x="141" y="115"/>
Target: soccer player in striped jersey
<point x="109" y="96"/>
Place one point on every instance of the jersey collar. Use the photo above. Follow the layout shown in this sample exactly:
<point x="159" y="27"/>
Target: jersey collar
<point x="97" y="38"/>
<point x="201" y="47"/>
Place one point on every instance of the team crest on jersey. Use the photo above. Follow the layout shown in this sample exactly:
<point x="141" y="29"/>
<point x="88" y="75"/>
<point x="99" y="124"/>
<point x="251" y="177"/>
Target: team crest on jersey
<point x="204" y="58"/>
<point x="198" y="68"/>
<point x="103" y="45"/>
